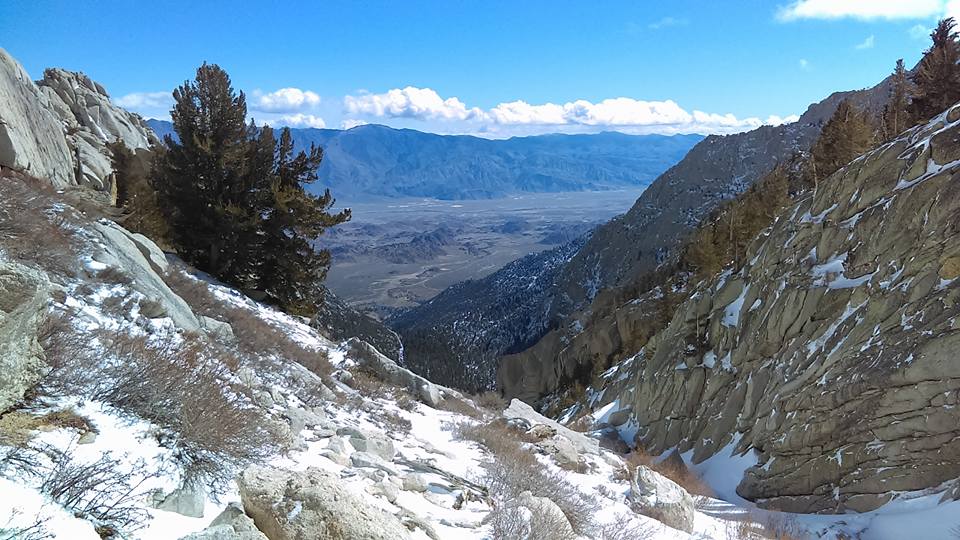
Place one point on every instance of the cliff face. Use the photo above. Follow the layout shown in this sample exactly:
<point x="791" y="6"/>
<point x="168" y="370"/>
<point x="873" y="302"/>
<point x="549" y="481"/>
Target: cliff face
<point x="631" y="246"/>
<point x="831" y="354"/>
<point x="58" y="128"/>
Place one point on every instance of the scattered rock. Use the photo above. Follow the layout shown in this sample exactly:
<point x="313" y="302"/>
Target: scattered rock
<point x="561" y="450"/>
<point x="660" y="498"/>
<point x="312" y="504"/>
<point x="231" y="524"/>
<point x="388" y="370"/>
<point x="365" y="460"/>
<point x="219" y="330"/>
<point x="415" y="482"/>
<point x="522" y="411"/>
<point x="187" y="500"/>
<point x="372" y="442"/>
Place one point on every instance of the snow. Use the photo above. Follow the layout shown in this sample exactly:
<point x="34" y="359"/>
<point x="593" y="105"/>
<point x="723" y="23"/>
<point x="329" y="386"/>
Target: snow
<point x="731" y="314"/>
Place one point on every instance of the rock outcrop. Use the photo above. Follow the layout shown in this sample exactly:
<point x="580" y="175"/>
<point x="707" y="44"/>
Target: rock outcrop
<point x="31" y="135"/>
<point x="288" y="505"/>
<point x="231" y="524"/>
<point x="831" y="354"/>
<point x="660" y="498"/>
<point x="24" y="294"/>
<point x="58" y="128"/>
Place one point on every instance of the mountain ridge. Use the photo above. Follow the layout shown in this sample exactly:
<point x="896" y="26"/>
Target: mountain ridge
<point x="379" y="161"/>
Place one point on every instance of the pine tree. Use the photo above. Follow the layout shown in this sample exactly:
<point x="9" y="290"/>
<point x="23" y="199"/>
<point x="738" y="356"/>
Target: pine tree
<point x="896" y="114"/>
<point x="938" y="76"/>
<point x="845" y="136"/>
<point x="235" y="200"/>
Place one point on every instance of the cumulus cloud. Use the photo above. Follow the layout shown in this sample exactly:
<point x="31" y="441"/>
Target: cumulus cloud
<point x="861" y="9"/>
<point x="298" y="120"/>
<point x="867" y="43"/>
<point x="919" y="31"/>
<point x="622" y="113"/>
<point x="285" y="100"/>
<point x="410" y="102"/>
<point x="146" y="100"/>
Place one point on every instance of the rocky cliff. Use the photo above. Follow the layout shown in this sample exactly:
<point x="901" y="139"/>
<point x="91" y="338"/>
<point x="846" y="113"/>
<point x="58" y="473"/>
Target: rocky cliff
<point x="57" y="128"/>
<point x="829" y="357"/>
<point x="619" y="252"/>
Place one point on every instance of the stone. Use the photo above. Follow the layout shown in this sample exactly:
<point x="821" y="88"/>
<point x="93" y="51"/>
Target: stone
<point x="541" y="431"/>
<point x="314" y="505"/>
<point x="386" y="489"/>
<point x="219" y="330"/>
<point x="388" y="370"/>
<point x="660" y="498"/>
<point x="231" y="524"/>
<point x="186" y="500"/>
<point x="364" y="460"/>
<point x="24" y="295"/>
<point x="339" y="445"/>
<point x="119" y="249"/>
<point x="561" y="450"/>
<point x="522" y="411"/>
<point x="544" y="518"/>
<point x="415" y="482"/>
<point x="378" y="444"/>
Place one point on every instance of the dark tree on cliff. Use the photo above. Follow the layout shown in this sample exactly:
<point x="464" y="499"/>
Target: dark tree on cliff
<point x="938" y="76"/>
<point x="234" y="196"/>
<point x="896" y="113"/>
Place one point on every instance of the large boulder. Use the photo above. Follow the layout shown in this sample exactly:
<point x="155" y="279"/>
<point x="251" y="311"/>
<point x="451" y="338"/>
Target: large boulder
<point x="123" y="249"/>
<point x="369" y="357"/>
<point x="519" y="410"/>
<point x="231" y="524"/>
<point x="660" y="498"/>
<point x="31" y="136"/>
<point x="314" y="505"/>
<point x="24" y="294"/>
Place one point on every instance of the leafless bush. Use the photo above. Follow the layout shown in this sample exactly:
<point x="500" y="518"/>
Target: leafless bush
<point x="33" y="227"/>
<point x="460" y="406"/>
<point x="626" y="529"/>
<point x="113" y="276"/>
<point x="177" y="386"/>
<point x="255" y="336"/>
<point x="35" y="531"/>
<point x="491" y="400"/>
<point x="514" y="470"/>
<point x="101" y="491"/>
<point x="181" y="385"/>
<point x="783" y="527"/>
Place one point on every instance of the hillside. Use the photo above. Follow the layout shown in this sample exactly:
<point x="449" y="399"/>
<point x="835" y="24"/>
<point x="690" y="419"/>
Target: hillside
<point x="824" y="366"/>
<point x="378" y="161"/>
<point x="621" y="251"/>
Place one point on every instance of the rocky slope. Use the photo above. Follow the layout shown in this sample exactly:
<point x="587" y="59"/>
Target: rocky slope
<point x="620" y="251"/>
<point x="827" y="361"/>
<point x="58" y="128"/>
<point x="378" y="161"/>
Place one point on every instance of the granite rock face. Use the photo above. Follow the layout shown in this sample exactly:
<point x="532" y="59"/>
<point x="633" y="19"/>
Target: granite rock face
<point x="830" y="356"/>
<point x="58" y="128"/>
<point x="24" y="294"/>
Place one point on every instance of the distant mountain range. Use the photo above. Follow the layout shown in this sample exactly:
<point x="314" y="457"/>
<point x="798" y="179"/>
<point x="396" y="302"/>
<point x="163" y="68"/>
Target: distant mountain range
<point x="372" y="161"/>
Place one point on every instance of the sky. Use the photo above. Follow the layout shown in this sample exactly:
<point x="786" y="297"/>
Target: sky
<point x="489" y="68"/>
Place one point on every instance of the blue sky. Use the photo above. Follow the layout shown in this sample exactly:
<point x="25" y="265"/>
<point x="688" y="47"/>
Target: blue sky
<point x="491" y="68"/>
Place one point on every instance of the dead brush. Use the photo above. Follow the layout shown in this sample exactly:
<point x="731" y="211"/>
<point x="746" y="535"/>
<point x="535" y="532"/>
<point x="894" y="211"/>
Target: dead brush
<point x="35" y="227"/>
<point x="514" y="470"/>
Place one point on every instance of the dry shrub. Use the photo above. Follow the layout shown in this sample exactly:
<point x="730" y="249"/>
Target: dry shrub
<point x="181" y="385"/>
<point x="35" y="531"/>
<point x="783" y="527"/>
<point x="34" y="227"/>
<point x="254" y="335"/>
<point x="514" y="470"/>
<point x="459" y="406"/>
<point x="113" y="276"/>
<point x="100" y="491"/>
<point x="626" y="529"/>
<point x="16" y="428"/>
<point x="491" y="400"/>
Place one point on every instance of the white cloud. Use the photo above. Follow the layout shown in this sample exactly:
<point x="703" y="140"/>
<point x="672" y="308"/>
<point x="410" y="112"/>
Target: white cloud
<point x="410" y="102"/>
<point x="146" y="100"/>
<point x="622" y="113"/>
<point x="351" y="123"/>
<point x="804" y="64"/>
<point x="667" y="22"/>
<point x="920" y="32"/>
<point x="867" y="43"/>
<point x="285" y="100"/>
<point x="297" y="120"/>
<point x="862" y="9"/>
